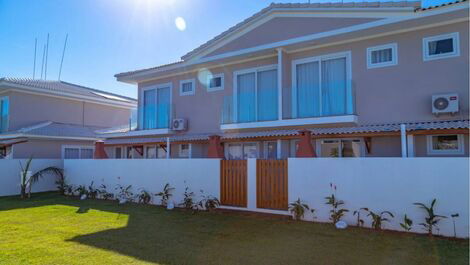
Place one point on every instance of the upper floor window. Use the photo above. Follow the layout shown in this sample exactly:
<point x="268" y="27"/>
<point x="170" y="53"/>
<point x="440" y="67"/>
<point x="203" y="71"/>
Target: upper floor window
<point x="445" y="144"/>
<point x="4" y="114"/>
<point x="187" y="87"/>
<point x="157" y="106"/>
<point x="215" y="82"/>
<point x="77" y="152"/>
<point x="381" y="56"/>
<point x="442" y="46"/>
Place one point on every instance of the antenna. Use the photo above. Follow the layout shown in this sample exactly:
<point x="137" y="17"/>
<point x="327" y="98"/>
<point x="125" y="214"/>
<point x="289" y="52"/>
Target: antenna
<point x="47" y="54"/>
<point x="42" y="63"/>
<point x="63" y="53"/>
<point x="34" y="64"/>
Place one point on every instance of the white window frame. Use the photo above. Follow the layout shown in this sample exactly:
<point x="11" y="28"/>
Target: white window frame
<point x="180" y="151"/>
<point x="318" y="143"/>
<point x="394" y="60"/>
<point x="455" y="45"/>
<point x="459" y="151"/>
<point x="8" y="118"/>
<point x="211" y="76"/>
<point x="226" y="148"/>
<point x="79" y="147"/>
<point x="344" y="54"/>
<point x="142" y="108"/>
<point x="254" y="70"/>
<point x="193" y="86"/>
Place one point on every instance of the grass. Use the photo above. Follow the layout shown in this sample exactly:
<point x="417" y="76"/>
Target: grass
<point x="50" y="229"/>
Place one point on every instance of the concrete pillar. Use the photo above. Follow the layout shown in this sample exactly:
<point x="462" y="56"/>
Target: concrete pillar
<point x="403" y="140"/>
<point x="251" y="184"/>
<point x="410" y="140"/>
<point x="168" y="148"/>
<point x="305" y="145"/>
<point x="100" y="153"/>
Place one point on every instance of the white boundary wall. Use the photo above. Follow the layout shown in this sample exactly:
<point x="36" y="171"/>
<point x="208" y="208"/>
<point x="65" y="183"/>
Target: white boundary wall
<point x="10" y="175"/>
<point x="149" y="174"/>
<point x="385" y="184"/>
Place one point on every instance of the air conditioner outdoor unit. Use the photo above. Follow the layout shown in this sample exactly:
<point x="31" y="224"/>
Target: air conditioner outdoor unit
<point x="445" y="103"/>
<point x="179" y="124"/>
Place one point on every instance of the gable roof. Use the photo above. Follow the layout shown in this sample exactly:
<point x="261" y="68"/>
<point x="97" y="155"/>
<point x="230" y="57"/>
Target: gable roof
<point x="67" y="89"/>
<point x="49" y="129"/>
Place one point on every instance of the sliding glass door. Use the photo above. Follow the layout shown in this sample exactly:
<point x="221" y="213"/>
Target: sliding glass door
<point x="156" y="109"/>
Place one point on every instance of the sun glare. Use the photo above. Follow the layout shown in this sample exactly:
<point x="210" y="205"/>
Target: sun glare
<point x="180" y="23"/>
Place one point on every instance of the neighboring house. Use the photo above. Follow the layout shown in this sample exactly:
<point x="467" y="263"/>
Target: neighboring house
<point x="54" y="119"/>
<point x="381" y="79"/>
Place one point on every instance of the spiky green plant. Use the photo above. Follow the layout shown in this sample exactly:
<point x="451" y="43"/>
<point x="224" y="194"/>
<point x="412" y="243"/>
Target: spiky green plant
<point x="188" y="200"/>
<point x="144" y="197"/>
<point x="92" y="192"/>
<point x="81" y="190"/>
<point x="298" y="209"/>
<point x="379" y="218"/>
<point x="432" y="219"/>
<point x="103" y="193"/>
<point x="336" y="213"/>
<point x="165" y="194"/>
<point x="360" y="222"/>
<point x="26" y="184"/>
<point x="407" y="223"/>
<point x="125" y="193"/>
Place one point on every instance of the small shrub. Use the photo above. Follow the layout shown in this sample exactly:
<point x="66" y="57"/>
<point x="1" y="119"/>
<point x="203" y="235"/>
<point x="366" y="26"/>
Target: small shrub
<point x="188" y="200"/>
<point x="336" y="213"/>
<point x="165" y="194"/>
<point x="298" y="209"/>
<point x="379" y="219"/>
<point x="125" y="193"/>
<point x="81" y="190"/>
<point x="104" y="194"/>
<point x="144" y="197"/>
<point x="407" y="223"/>
<point x="92" y="192"/>
<point x="360" y="222"/>
<point x="209" y="202"/>
<point x="432" y="220"/>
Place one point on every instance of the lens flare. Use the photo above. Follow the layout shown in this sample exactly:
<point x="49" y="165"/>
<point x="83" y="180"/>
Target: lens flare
<point x="180" y="23"/>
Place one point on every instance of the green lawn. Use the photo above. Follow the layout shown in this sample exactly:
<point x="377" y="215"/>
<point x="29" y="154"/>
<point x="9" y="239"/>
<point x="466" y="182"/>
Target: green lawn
<point x="50" y="229"/>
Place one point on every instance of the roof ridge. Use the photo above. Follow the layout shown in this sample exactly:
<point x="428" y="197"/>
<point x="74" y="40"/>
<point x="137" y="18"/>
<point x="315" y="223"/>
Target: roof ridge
<point x="34" y="127"/>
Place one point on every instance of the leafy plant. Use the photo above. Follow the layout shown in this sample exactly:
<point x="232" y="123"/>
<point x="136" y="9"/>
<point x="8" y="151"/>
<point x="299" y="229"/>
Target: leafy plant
<point x="69" y="189"/>
<point x="26" y="183"/>
<point x="379" y="218"/>
<point x="103" y="193"/>
<point x="208" y="202"/>
<point x="125" y="193"/>
<point x="165" y="194"/>
<point x="432" y="219"/>
<point x="188" y="200"/>
<point x="81" y="190"/>
<point x="360" y="222"/>
<point x="407" y="223"/>
<point x="298" y="208"/>
<point x="336" y="213"/>
<point x="455" y="215"/>
<point x="144" y="197"/>
<point x="62" y="185"/>
<point x="92" y="192"/>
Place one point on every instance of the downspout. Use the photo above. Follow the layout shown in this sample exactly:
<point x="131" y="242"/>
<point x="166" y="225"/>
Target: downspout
<point x="404" y="152"/>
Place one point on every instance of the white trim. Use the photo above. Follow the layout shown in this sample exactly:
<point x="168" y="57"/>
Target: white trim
<point x="155" y="87"/>
<point x="212" y="76"/>
<point x="362" y="150"/>
<point x="69" y="96"/>
<point x="193" y="86"/>
<point x="459" y="151"/>
<point x="79" y="147"/>
<point x="394" y="61"/>
<point x="319" y="59"/>
<point x="139" y="133"/>
<point x="254" y="70"/>
<point x="180" y="151"/>
<point x="455" y="46"/>
<point x="292" y="122"/>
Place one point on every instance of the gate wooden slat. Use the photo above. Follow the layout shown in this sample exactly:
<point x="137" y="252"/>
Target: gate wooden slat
<point x="271" y="188"/>
<point x="233" y="183"/>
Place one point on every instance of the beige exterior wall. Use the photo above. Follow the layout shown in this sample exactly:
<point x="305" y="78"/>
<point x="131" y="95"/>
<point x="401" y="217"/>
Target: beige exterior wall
<point x="45" y="149"/>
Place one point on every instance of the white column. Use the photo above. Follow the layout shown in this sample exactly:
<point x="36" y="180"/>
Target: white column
<point x="410" y="140"/>
<point x="251" y="183"/>
<point x="403" y="140"/>
<point x="279" y="148"/>
<point x="190" y="151"/>
<point x="279" y="82"/>
<point x="168" y="148"/>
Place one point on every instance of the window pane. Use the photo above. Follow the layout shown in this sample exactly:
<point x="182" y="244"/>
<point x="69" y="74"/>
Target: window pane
<point x="246" y="97"/>
<point x="86" y="153"/>
<point x="71" y="153"/>
<point x="330" y="148"/>
<point x="267" y="95"/>
<point x="271" y="150"/>
<point x="129" y="152"/>
<point x="4" y="109"/>
<point x="150" y="111"/>
<point x="308" y="90"/>
<point x="441" y="46"/>
<point x="215" y="82"/>
<point x="161" y="152"/>
<point x="250" y="151"/>
<point x="187" y="87"/>
<point x="445" y="142"/>
<point x="334" y="87"/>
<point x="163" y="107"/>
<point x="382" y="56"/>
<point x="118" y="152"/>
<point x="184" y="150"/>
<point x="351" y="148"/>
<point x="151" y="151"/>
<point x="235" y="151"/>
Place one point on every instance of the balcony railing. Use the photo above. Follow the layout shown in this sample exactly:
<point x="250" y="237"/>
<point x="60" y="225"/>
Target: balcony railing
<point x="250" y="107"/>
<point x="157" y="116"/>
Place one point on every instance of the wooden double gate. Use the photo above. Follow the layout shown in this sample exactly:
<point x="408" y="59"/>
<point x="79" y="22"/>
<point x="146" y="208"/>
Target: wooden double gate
<point x="271" y="183"/>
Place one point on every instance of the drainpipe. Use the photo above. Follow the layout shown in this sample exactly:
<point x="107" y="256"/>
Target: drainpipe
<point x="403" y="140"/>
<point x="168" y="148"/>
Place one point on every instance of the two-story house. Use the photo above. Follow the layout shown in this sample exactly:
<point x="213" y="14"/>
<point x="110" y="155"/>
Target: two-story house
<point x="366" y="79"/>
<point x="56" y="119"/>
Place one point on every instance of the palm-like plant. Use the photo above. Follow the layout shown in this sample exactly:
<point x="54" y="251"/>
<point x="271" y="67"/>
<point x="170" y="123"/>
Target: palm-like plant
<point x="165" y="194"/>
<point x="27" y="182"/>
<point x="432" y="219"/>
<point x="360" y="222"/>
<point x="144" y="197"/>
<point x="336" y="213"/>
<point x="298" y="209"/>
<point x="379" y="218"/>
<point x="188" y="200"/>
<point x="407" y="223"/>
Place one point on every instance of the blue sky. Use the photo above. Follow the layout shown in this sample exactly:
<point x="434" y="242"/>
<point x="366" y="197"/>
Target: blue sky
<point x="111" y="36"/>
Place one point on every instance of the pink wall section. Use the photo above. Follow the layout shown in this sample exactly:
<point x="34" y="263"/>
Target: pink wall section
<point x="283" y="28"/>
<point x="45" y="149"/>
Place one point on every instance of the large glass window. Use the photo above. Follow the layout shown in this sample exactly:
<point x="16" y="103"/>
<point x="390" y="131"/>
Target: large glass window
<point x="445" y="144"/>
<point x="4" y="114"/>
<point x="322" y="87"/>
<point x="242" y="150"/>
<point x="157" y="108"/>
<point x="270" y="150"/>
<point x="257" y="95"/>
<point x="341" y="148"/>
<point x="77" y="152"/>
